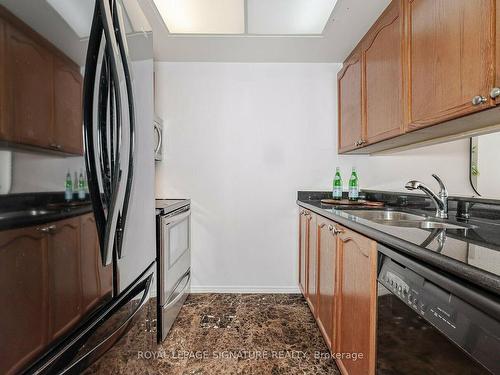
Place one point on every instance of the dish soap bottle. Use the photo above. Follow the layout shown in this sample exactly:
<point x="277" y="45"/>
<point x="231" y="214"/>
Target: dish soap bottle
<point x="337" y="185"/>
<point x="81" y="187"/>
<point x="354" y="185"/>
<point x="68" y="192"/>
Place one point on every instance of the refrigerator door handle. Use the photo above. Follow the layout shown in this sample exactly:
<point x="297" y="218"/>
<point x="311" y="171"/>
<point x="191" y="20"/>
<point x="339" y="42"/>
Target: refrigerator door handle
<point x="129" y="113"/>
<point x="115" y="219"/>
<point x="89" y="83"/>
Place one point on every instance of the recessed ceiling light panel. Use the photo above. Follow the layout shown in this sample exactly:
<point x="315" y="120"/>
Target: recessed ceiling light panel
<point x="203" y="16"/>
<point x="288" y="17"/>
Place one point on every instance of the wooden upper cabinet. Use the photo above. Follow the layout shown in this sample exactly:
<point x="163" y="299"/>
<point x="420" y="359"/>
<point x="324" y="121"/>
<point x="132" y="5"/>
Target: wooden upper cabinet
<point x="40" y="91"/>
<point x="451" y="58"/>
<point x="351" y="129"/>
<point x="64" y="276"/>
<point x="312" y="262"/>
<point x="357" y="298"/>
<point x="68" y="120"/>
<point x="30" y="76"/>
<point x="23" y="276"/>
<point x="327" y="269"/>
<point x="383" y="75"/>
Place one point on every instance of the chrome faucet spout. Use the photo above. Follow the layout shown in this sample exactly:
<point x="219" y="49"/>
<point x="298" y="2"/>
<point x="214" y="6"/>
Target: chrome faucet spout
<point x="440" y="200"/>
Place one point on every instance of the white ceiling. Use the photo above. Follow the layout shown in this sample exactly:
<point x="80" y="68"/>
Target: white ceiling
<point x="350" y="20"/>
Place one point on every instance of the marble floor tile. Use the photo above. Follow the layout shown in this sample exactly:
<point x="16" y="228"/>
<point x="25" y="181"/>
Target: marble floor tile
<point x="230" y="334"/>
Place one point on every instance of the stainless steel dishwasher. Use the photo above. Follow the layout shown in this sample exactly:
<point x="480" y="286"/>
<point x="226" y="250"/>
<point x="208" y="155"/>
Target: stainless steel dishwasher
<point x="174" y="260"/>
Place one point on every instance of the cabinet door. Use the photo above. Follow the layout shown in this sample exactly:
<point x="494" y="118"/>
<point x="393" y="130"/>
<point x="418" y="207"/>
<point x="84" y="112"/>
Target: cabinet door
<point x="312" y="262"/>
<point x="303" y="238"/>
<point x="451" y="52"/>
<point x="24" y="292"/>
<point x="357" y="299"/>
<point x="327" y="270"/>
<point x="350" y="103"/>
<point x="6" y="131"/>
<point x="31" y="81"/>
<point x="383" y="67"/>
<point x="67" y="131"/>
<point x="64" y="276"/>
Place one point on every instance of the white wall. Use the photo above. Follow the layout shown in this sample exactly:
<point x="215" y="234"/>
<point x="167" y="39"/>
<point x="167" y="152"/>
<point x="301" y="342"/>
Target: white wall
<point x="241" y="139"/>
<point x="488" y="163"/>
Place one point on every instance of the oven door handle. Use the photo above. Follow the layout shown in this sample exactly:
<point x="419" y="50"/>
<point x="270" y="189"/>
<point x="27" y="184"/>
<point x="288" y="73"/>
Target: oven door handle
<point x="169" y="220"/>
<point x="187" y="277"/>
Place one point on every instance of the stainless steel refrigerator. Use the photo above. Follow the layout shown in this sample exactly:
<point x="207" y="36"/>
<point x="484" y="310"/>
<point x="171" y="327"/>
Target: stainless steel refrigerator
<point x="77" y="274"/>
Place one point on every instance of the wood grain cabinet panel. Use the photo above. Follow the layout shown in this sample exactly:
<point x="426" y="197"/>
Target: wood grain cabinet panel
<point x="327" y="270"/>
<point x="451" y="58"/>
<point x="30" y="75"/>
<point x="23" y="275"/>
<point x="312" y="262"/>
<point x="303" y="238"/>
<point x="68" y="120"/>
<point x="383" y="75"/>
<point x="6" y="131"/>
<point x="351" y="129"/>
<point x="357" y="297"/>
<point x="40" y="91"/>
<point x="64" y="276"/>
<point x="90" y="259"/>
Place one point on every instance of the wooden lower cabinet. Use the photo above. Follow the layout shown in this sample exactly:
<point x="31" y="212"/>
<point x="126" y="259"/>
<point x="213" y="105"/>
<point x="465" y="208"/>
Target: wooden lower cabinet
<point x="357" y="299"/>
<point x="312" y="263"/>
<point x="327" y="267"/>
<point x="24" y="292"/>
<point x="51" y="276"/>
<point x="344" y="268"/>
<point x="303" y="239"/>
<point x="65" y="288"/>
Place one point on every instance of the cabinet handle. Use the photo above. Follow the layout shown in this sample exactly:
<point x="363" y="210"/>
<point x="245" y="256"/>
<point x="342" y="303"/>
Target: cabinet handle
<point x="49" y="229"/>
<point x="338" y="231"/>
<point x="330" y="227"/>
<point x="495" y="92"/>
<point x="478" y="100"/>
<point x="322" y="225"/>
<point x="55" y="146"/>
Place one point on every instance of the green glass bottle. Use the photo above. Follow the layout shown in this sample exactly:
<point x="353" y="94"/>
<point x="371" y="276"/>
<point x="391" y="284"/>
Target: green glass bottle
<point x="68" y="191"/>
<point x="354" y="185"/>
<point x="337" y="185"/>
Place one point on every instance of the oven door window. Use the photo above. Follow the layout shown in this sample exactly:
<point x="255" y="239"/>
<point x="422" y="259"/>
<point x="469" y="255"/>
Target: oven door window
<point x="408" y="344"/>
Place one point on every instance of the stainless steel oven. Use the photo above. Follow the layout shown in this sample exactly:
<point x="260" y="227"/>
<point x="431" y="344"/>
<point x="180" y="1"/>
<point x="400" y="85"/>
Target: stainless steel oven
<point x="431" y="323"/>
<point x="174" y="259"/>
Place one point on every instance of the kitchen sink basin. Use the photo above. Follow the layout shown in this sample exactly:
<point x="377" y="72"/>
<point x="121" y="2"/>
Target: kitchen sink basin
<point x="405" y="219"/>
<point x="377" y="215"/>
<point x="23" y="213"/>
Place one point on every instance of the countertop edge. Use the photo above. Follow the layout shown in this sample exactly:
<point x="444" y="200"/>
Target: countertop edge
<point x="480" y="278"/>
<point x="48" y="218"/>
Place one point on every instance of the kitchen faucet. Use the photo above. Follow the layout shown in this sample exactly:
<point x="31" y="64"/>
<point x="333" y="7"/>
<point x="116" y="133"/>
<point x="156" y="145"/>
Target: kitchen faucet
<point x="440" y="200"/>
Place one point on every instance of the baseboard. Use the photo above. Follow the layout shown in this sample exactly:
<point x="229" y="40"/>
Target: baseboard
<point x="246" y="289"/>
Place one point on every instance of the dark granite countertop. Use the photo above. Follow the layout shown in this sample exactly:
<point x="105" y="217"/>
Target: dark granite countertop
<point x="25" y="210"/>
<point x="472" y="254"/>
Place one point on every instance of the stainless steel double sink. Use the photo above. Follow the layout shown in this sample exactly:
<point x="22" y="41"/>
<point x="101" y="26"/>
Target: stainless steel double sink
<point x="404" y="219"/>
